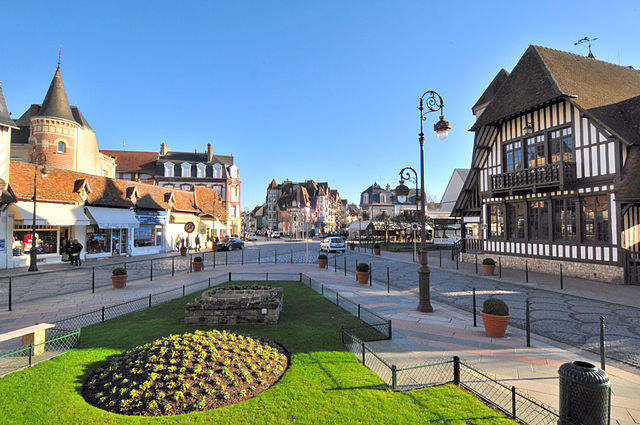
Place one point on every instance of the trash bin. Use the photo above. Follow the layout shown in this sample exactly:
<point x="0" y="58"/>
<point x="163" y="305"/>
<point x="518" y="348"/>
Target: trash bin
<point x="585" y="394"/>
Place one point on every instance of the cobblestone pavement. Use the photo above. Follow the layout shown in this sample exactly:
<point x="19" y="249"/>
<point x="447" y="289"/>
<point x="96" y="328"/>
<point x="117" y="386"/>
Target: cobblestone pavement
<point x="65" y="279"/>
<point x="567" y="318"/>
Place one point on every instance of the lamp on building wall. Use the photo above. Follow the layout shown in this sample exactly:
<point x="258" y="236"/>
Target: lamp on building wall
<point x="38" y="159"/>
<point x="528" y="129"/>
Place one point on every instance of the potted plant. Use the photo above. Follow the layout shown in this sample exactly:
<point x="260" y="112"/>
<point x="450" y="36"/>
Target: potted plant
<point x="488" y="265"/>
<point x="119" y="277"/>
<point x="323" y="260"/>
<point x="495" y="316"/>
<point x="183" y="251"/>
<point x="376" y="249"/>
<point x="197" y="264"/>
<point x="362" y="271"/>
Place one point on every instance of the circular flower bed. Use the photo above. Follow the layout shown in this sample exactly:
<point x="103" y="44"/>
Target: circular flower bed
<point x="185" y="373"/>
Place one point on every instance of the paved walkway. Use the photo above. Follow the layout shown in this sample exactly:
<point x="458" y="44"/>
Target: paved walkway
<point x="418" y="337"/>
<point x="571" y="315"/>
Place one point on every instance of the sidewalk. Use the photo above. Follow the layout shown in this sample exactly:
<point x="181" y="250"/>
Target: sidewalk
<point x="417" y="337"/>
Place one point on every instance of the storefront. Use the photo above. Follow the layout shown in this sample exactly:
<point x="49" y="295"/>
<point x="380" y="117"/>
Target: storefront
<point x="149" y="237"/>
<point x="55" y="224"/>
<point x="110" y="232"/>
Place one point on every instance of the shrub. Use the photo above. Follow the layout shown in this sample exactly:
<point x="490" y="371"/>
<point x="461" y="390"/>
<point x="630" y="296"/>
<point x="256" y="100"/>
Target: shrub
<point x="197" y="259"/>
<point x="322" y="257"/>
<point x="119" y="271"/>
<point x="376" y="246"/>
<point x="495" y="306"/>
<point x="488" y="262"/>
<point x="362" y="267"/>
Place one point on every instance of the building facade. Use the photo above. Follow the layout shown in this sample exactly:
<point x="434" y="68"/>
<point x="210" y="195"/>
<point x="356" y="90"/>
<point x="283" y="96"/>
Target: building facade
<point x="553" y="178"/>
<point x="185" y="171"/>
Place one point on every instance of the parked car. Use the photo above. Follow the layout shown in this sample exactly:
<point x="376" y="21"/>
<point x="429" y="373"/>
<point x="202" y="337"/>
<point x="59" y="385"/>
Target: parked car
<point x="275" y="235"/>
<point x="229" y="244"/>
<point x="333" y="244"/>
<point x="251" y="237"/>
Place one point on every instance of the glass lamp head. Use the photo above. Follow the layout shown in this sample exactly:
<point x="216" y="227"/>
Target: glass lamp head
<point x="442" y="128"/>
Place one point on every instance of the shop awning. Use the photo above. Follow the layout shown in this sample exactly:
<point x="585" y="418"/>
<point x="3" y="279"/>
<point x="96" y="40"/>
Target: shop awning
<point x="113" y="218"/>
<point x="48" y="214"/>
<point x="182" y="218"/>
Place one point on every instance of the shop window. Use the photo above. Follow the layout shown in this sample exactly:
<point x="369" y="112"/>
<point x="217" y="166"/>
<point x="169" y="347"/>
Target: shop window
<point x="535" y="151"/>
<point x="496" y="221"/>
<point x="595" y="219"/>
<point x="98" y="240"/>
<point x="147" y="235"/>
<point x="561" y="145"/>
<point x="515" y="221"/>
<point x="538" y="221"/>
<point x="46" y="240"/>
<point x="564" y="219"/>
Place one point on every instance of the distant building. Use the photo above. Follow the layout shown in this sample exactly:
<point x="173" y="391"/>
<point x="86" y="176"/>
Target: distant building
<point x="376" y="201"/>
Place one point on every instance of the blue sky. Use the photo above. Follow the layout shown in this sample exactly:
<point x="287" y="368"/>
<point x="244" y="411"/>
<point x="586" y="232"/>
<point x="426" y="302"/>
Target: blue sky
<point x="293" y="89"/>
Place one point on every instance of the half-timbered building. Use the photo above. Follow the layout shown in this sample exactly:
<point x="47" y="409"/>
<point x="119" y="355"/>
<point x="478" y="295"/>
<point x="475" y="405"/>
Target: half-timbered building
<point x="555" y="174"/>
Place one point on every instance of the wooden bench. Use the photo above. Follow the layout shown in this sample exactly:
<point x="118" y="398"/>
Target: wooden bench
<point x="30" y="335"/>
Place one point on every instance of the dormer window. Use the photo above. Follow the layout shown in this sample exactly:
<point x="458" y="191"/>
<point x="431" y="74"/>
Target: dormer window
<point x="233" y="172"/>
<point x="365" y="198"/>
<point x="62" y="148"/>
<point x="217" y="171"/>
<point x="201" y="170"/>
<point x="186" y="169"/>
<point x="168" y="169"/>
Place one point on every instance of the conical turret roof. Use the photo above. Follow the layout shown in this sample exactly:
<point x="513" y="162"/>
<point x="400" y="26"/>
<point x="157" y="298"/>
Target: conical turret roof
<point x="5" y="118"/>
<point x="55" y="103"/>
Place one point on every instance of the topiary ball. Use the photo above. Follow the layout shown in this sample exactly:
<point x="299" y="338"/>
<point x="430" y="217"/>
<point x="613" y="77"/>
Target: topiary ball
<point x="495" y="306"/>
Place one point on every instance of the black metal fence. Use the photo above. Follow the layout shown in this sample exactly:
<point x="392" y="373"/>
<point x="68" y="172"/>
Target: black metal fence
<point x="513" y="403"/>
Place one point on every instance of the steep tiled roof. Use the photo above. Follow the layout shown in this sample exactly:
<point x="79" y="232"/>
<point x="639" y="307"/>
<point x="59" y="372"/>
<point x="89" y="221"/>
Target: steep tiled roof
<point x="133" y="161"/>
<point x="64" y="186"/>
<point x="491" y="91"/>
<point x="209" y="203"/>
<point x="195" y="157"/>
<point x="543" y="75"/>
<point x="5" y="118"/>
<point x="55" y="103"/>
<point x="623" y="118"/>
<point x="629" y="187"/>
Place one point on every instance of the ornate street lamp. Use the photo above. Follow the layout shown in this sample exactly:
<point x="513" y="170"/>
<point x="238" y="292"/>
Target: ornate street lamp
<point x="430" y="101"/>
<point x="38" y="159"/>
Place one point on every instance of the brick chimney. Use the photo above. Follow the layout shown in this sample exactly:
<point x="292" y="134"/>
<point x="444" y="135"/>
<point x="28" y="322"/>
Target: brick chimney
<point x="209" y="152"/>
<point x="164" y="148"/>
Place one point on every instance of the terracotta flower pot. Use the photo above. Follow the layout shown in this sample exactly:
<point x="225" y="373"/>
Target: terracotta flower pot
<point x="376" y="251"/>
<point x="363" y="277"/>
<point x="488" y="270"/>
<point x="495" y="326"/>
<point x="119" y="281"/>
<point x="197" y="266"/>
<point x="322" y="263"/>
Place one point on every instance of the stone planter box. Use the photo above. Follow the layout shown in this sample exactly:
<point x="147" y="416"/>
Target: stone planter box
<point x="236" y="306"/>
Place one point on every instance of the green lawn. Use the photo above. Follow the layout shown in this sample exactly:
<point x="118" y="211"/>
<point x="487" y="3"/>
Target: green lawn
<point x="324" y="385"/>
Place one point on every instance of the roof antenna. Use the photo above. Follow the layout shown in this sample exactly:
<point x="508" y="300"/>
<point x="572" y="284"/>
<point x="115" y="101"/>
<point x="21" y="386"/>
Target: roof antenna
<point x="124" y="145"/>
<point x="59" y="56"/>
<point x="587" y="40"/>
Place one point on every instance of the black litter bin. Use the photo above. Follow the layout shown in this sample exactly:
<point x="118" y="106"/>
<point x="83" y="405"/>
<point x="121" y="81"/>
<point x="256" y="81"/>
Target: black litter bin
<point x="585" y="394"/>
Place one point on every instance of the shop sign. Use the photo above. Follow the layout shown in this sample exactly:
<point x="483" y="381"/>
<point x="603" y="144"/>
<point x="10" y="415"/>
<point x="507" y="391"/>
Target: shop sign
<point x="151" y="217"/>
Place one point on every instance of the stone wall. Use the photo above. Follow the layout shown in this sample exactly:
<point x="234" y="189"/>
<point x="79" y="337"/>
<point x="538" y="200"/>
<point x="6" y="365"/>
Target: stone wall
<point x="592" y="271"/>
<point x="236" y="306"/>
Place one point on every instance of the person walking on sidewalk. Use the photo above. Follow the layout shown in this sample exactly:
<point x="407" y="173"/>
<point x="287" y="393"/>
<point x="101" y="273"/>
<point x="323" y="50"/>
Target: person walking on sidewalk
<point x="76" y="249"/>
<point x="67" y="251"/>
<point x="197" y="243"/>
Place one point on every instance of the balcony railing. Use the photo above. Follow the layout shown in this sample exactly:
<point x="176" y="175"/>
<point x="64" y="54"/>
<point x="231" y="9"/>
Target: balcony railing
<point x="555" y="174"/>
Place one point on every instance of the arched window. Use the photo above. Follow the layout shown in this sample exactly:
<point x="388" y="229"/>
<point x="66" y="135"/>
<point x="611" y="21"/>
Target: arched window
<point x="62" y="148"/>
<point x="201" y="170"/>
<point x="217" y="171"/>
<point x="168" y="169"/>
<point x="186" y="169"/>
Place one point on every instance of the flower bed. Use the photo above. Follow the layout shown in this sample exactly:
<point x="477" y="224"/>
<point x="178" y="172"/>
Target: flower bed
<point x="185" y="373"/>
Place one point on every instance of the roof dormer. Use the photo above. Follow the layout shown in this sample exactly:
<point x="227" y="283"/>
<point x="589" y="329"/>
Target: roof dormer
<point x="132" y="194"/>
<point x="169" y="198"/>
<point x="82" y="188"/>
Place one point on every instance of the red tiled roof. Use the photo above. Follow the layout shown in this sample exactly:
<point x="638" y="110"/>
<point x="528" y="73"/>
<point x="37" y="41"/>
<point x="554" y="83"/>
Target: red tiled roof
<point x="60" y="186"/>
<point x="133" y="161"/>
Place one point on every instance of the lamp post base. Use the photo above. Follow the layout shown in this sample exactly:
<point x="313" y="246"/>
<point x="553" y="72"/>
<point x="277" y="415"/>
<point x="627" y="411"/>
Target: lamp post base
<point x="424" y="301"/>
<point x="33" y="262"/>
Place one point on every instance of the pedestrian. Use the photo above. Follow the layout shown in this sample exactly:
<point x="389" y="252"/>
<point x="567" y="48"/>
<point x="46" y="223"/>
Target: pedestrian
<point x="67" y="250"/>
<point x="76" y="249"/>
<point x="178" y="243"/>
<point x="197" y="243"/>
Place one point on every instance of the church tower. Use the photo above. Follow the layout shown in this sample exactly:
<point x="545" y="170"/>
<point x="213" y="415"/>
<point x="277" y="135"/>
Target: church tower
<point x="54" y="130"/>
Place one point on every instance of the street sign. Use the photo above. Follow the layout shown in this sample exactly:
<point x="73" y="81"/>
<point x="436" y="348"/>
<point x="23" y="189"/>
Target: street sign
<point x="189" y="227"/>
<point x="414" y="226"/>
